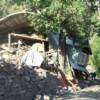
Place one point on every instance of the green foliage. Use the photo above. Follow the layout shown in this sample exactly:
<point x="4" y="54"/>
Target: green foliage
<point x="65" y="16"/>
<point x="95" y="45"/>
<point x="11" y="6"/>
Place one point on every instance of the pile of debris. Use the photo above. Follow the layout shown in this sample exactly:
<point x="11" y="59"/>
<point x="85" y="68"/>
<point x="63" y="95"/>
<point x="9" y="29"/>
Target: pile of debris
<point x="12" y="55"/>
<point x="25" y="83"/>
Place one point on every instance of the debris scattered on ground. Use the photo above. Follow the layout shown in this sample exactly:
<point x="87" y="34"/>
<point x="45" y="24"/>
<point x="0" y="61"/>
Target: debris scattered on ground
<point x="29" y="84"/>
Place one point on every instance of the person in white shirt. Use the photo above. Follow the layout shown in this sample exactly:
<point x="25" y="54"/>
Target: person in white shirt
<point x="33" y="57"/>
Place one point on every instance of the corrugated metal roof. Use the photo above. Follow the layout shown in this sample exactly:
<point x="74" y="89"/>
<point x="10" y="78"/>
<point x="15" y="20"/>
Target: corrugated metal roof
<point x="14" y="21"/>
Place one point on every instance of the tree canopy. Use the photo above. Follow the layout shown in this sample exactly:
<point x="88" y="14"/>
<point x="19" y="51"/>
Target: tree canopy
<point x="75" y="17"/>
<point x="11" y="6"/>
<point x="64" y="16"/>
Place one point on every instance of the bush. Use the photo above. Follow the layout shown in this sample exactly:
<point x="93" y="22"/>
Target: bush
<point x="95" y="45"/>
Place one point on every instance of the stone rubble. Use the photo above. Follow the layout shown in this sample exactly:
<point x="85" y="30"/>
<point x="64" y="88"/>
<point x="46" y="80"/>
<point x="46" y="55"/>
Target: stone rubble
<point x="26" y="84"/>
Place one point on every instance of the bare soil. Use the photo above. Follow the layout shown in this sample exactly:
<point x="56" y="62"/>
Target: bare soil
<point x="91" y="92"/>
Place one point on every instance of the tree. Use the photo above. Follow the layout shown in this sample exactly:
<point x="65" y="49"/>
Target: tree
<point x="95" y="41"/>
<point x="78" y="17"/>
<point x="64" y="16"/>
<point x="11" y="6"/>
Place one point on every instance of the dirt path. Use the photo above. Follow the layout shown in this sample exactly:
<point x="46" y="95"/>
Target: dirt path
<point x="91" y="92"/>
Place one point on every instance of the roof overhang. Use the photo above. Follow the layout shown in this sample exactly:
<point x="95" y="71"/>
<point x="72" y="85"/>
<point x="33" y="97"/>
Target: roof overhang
<point x="14" y="21"/>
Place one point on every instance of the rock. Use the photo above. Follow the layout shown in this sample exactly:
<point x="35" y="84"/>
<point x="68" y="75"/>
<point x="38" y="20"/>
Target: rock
<point x="1" y="98"/>
<point x="27" y="78"/>
<point x="2" y="79"/>
<point x="1" y="62"/>
<point x="22" y="91"/>
<point x="2" y="91"/>
<point x="46" y="97"/>
<point x="38" y="97"/>
<point x="40" y="72"/>
<point x="8" y="82"/>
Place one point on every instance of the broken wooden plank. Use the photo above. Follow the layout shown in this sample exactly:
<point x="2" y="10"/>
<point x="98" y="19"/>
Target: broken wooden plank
<point x="67" y="82"/>
<point x="25" y="37"/>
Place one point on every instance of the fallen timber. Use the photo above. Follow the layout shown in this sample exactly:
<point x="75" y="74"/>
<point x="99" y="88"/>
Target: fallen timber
<point x="63" y="79"/>
<point x="25" y="37"/>
<point x="67" y="82"/>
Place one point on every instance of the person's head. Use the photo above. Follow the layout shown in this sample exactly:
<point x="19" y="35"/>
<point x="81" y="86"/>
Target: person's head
<point x="38" y="47"/>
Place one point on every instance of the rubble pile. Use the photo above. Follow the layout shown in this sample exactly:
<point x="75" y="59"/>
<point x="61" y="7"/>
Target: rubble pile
<point x="24" y="83"/>
<point x="15" y="56"/>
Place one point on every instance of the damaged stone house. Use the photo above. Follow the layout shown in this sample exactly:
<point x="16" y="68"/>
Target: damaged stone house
<point x="15" y="29"/>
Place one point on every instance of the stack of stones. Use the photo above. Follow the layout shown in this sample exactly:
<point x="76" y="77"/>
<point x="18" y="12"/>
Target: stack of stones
<point x="26" y="84"/>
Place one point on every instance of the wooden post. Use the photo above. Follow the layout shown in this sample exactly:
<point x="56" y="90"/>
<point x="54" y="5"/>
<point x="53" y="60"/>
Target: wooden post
<point x="9" y="40"/>
<point x="43" y="48"/>
<point x="19" y="44"/>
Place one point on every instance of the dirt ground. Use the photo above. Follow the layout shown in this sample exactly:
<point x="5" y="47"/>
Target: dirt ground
<point x="91" y="92"/>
